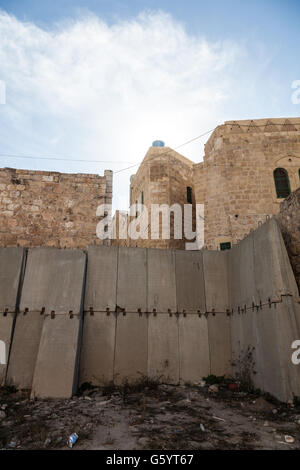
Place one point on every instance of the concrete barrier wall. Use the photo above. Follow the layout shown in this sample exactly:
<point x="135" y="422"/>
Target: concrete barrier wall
<point x="6" y="331"/>
<point x="56" y="368"/>
<point x="24" y="350"/>
<point x="131" y="350"/>
<point x="11" y="265"/>
<point x="171" y="315"/>
<point x="152" y="321"/>
<point x="52" y="289"/>
<point x="265" y="311"/>
<point x="215" y="267"/>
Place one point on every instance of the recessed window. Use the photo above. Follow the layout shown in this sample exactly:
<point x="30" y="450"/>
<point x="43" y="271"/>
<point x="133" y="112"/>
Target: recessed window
<point x="282" y="183"/>
<point x="189" y="195"/>
<point x="225" y="246"/>
<point x="142" y="197"/>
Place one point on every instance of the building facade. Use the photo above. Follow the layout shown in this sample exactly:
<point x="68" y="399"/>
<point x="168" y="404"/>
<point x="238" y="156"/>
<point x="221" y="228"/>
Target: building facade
<point x="249" y="168"/>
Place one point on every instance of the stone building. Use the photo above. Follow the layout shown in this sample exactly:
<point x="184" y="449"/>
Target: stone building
<point x="39" y="208"/>
<point x="164" y="177"/>
<point x="249" y="168"/>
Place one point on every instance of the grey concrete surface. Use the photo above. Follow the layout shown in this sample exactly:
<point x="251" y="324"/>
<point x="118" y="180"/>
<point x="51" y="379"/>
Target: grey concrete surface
<point x="267" y="330"/>
<point x="101" y="282"/>
<point x="215" y="267"/>
<point x="219" y="344"/>
<point x="132" y="279"/>
<point x="53" y="280"/>
<point x="190" y="281"/>
<point x="241" y="275"/>
<point x="131" y="353"/>
<point x="161" y="281"/>
<point x="55" y="369"/>
<point x="163" y="348"/>
<point x="6" y="327"/>
<point x="271" y="275"/>
<point x="45" y="350"/>
<point x="24" y="350"/>
<point x="194" y="360"/>
<point x="97" y="349"/>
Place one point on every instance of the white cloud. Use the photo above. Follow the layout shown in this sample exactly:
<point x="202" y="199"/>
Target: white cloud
<point x="93" y="91"/>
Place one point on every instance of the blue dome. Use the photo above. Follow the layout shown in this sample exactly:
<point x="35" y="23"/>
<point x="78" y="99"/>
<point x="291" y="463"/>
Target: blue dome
<point x="158" y="143"/>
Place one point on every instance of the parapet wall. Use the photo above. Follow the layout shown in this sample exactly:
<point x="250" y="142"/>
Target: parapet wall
<point x="39" y="208"/>
<point x="172" y="315"/>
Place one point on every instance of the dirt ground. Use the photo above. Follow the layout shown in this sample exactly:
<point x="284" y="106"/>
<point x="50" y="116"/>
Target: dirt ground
<point x="150" y="416"/>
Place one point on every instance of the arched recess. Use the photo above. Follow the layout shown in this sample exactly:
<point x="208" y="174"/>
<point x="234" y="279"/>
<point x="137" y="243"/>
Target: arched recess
<point x="282" y="183"/>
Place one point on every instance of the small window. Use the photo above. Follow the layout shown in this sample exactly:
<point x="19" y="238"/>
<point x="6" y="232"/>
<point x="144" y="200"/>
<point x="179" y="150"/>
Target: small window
<point x="136" y="209"/>
<point x="282" y="183"/>
<point x="225" y="246"/>
<point x="142" y="197"/>
<point x="189" y="195"/>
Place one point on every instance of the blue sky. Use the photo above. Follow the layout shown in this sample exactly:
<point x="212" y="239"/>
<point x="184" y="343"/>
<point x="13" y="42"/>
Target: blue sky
<point x="101" y="79"/>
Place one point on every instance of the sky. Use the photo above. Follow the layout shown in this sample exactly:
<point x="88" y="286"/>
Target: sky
<point x="95" y="82"/>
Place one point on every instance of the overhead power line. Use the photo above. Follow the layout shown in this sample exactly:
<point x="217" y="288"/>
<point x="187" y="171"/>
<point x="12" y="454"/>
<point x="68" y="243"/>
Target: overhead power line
<point x="71" y="159"/>
<point x="32" y="157"/>
<point x="53" y="158"/>
<point x="176" y="148"/>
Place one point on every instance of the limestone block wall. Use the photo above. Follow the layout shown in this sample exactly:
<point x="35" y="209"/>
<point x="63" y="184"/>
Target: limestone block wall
<point x="39" y="208"/>
<point x="163" y="177"/>
<point x="235" y="181"/>
<point x="289" y="223"/>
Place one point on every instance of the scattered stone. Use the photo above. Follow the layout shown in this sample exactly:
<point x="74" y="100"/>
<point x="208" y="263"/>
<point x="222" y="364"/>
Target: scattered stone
<point x="213" y="388"/>
<point x="2" y="415"/>
<point x="266" y="424"/>
<point x="274" y="411"/>
<point x="4" y="406"/>
<point x="202" y="427"/>
<point x="289" y="439"/>
<point x="88" y="398"/>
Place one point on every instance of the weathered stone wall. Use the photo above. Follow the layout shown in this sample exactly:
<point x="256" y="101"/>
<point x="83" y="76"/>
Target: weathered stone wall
<point x="163" y="177"/>
<point x="289" y="223"/>
<point x="39" y="208"/>
<point x="235" y="181"/>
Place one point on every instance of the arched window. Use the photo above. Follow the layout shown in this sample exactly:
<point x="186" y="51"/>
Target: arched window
<point x="282" y="183"/>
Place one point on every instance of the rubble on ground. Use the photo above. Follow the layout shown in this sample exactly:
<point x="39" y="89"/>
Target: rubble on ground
<point x="149" y="415"/>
